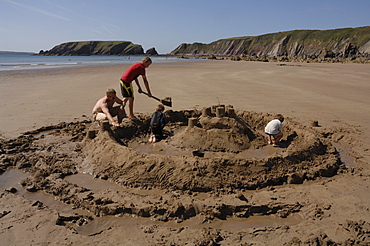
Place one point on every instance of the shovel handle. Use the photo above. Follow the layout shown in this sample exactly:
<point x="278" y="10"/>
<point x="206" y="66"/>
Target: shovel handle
<point x="164" y="102"/>
<point x="156" y="98"/>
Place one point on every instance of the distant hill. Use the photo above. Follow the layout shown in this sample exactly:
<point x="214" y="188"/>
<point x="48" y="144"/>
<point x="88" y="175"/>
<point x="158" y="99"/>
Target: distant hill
<point x="346" y="42"/>
<point x="16" y="53"/>
<point x="88" y="48"/>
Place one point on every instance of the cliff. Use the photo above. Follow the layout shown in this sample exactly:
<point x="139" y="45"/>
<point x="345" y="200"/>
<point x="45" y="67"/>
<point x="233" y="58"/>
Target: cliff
<point x="95" y="48"/>
<point x="346" y="42"/>
<point x="151" y="52"/>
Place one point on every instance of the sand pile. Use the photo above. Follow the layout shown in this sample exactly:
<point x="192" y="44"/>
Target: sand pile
<point x="236" y="160"/>
<point x="224" y="139"/>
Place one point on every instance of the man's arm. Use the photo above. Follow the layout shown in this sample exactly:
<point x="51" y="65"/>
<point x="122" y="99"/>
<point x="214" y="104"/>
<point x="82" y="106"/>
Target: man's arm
<point x="119" y="101"/>
<point x="105" y="109"/>
<point x="146" y="83"/>
<point x="138" y="86"/>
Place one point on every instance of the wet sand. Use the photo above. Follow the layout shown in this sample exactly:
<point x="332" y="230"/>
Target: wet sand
<point x="333" y="209"/>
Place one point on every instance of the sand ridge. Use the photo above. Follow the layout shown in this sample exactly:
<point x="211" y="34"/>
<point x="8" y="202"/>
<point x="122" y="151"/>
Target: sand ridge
<point x="85" y="147"/>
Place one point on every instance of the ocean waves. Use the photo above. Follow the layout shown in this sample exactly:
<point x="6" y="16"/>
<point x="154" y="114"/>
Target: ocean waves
<point x="24" y="61"/>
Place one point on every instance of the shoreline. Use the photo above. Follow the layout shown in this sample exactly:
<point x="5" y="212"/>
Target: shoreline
<point x="20" y="62"/>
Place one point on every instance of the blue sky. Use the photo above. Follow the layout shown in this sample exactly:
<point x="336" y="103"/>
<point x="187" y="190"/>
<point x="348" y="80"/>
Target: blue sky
<point x="34" y="25"/>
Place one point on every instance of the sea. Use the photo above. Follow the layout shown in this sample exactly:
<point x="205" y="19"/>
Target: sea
<point x="24" y="61"/>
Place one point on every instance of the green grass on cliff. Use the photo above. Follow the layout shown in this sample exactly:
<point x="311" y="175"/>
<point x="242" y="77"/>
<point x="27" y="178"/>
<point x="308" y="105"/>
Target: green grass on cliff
<point x="358" y="36"/>
<point x="312" y="41"/>
<point x="100" y="44"/>
<point x="96" y="48"/>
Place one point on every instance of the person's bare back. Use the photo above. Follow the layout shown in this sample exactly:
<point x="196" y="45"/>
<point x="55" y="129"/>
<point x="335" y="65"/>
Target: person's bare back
<point x="104" y="109"/>
<point x="101" y="104"/>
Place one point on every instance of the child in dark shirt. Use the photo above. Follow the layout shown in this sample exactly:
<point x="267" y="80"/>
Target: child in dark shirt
<point x="157" y="122"/>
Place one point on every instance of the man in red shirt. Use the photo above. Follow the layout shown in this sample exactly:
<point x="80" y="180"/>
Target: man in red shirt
<point x="131" y="74"/>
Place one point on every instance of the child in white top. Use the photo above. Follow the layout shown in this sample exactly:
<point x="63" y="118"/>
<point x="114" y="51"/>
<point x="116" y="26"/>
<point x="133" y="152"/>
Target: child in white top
<point x="274" y="130"/>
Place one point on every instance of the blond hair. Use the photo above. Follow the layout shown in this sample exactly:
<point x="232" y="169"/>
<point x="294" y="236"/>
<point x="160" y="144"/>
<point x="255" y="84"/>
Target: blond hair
<point x="146" y="60"/>
<point x="279" y="117"/>
<point x="110" y="92"/>
<point x="160" y="107"/>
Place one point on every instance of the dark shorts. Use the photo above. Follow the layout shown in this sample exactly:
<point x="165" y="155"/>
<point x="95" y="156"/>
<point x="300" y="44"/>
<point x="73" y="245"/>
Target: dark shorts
<point x="126" y="89"/>
<point x="157" y="131"/>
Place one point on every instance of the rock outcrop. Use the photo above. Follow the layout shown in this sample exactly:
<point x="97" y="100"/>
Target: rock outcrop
<point x="88" y="48"/>
<point x="338" y="43"/>
<point x="151" y="52"/>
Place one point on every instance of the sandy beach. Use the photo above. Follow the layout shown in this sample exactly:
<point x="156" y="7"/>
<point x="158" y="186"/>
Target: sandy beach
<point x="324" y="92"/>
<point x="331" y="209"/>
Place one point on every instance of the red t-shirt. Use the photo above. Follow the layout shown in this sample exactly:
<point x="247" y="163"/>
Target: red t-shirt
<point x="134" y="71"/>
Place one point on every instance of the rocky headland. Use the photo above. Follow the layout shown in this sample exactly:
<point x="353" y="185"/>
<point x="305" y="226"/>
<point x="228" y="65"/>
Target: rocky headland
<point x="151" y="52"/>
<point x="337" y="45"/>
<point x="88" y="48"/>
<point x="347" y="44"/>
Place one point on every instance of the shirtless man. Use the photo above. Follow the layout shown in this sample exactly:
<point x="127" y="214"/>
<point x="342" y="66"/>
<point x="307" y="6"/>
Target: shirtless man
<point x="104" y="109"/>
